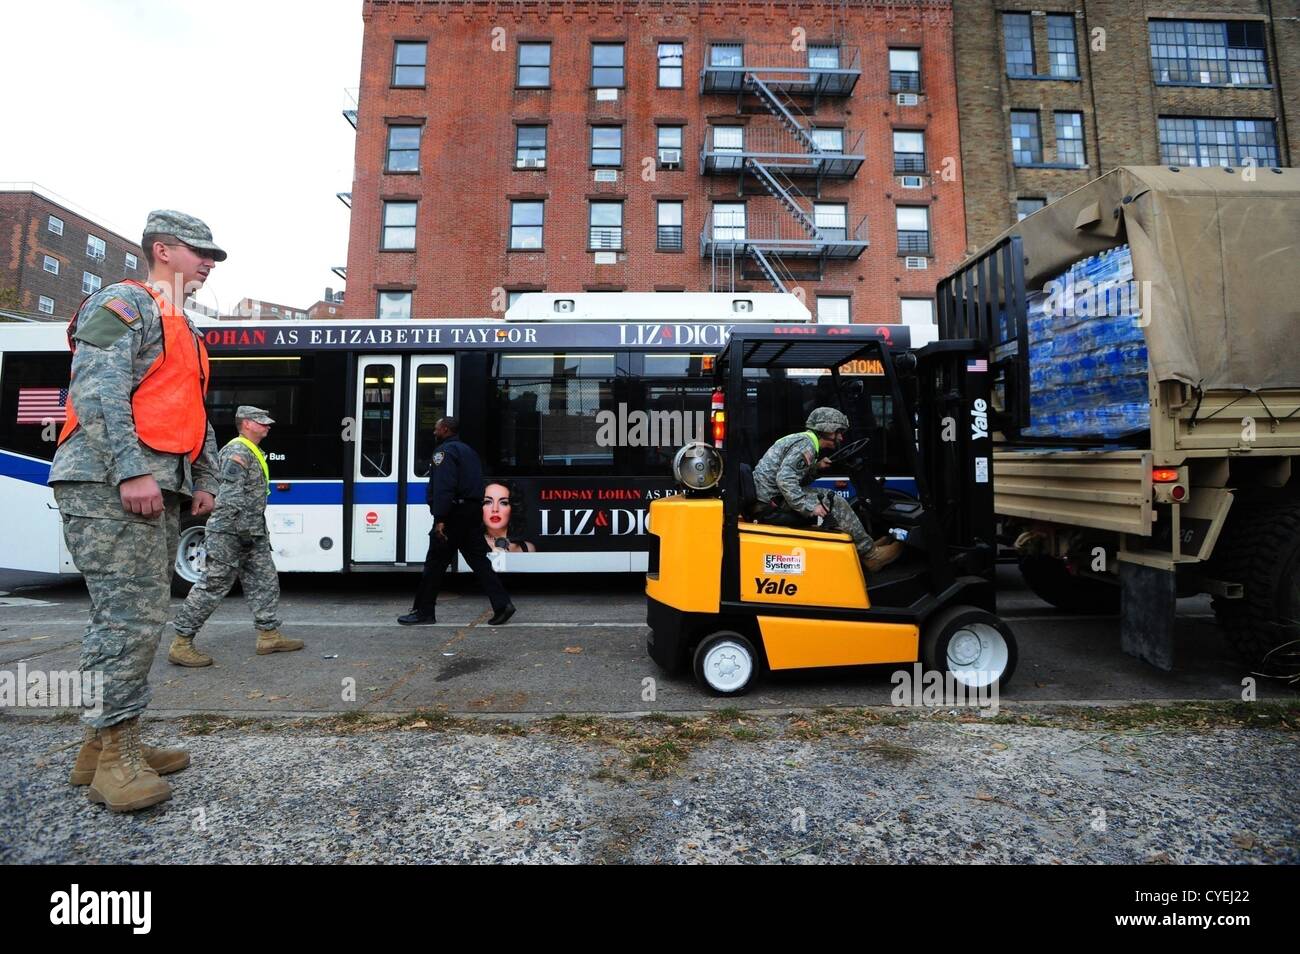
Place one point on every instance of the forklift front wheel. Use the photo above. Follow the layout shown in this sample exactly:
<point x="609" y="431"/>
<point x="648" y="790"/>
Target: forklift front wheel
<point x="726" y="663"/>
<point x="977" y="647"/>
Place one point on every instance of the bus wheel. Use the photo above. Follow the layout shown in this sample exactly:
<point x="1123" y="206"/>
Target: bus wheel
<point x="726" y="663"/>
<point x="191" y="558"/>
<point x="975" y="646"/>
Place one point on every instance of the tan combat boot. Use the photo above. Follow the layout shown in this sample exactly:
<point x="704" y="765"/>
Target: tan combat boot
<point x="123" y="779"/>
<point x="270" y="641"/>
<point x="882" y="556"/>
<point x="183" y="653"/>
<point x="162" y="761"/>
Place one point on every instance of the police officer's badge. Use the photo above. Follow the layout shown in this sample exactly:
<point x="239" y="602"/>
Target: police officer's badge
<point x="437" y="458"/>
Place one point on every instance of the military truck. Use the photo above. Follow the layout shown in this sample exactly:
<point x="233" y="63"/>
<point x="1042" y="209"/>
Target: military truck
<point x="1205" y="498"/>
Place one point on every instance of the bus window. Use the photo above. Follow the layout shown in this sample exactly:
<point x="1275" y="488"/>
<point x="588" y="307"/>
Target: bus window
<point x="377" y="421"/>
<point x="33" y="387"/>
<point x="430" y="405"/>
<point x="546" y="413"/>
<point x="302" y="394"/>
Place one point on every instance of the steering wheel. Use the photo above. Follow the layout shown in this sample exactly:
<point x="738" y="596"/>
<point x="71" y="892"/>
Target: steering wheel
<point x="848" y="451"/>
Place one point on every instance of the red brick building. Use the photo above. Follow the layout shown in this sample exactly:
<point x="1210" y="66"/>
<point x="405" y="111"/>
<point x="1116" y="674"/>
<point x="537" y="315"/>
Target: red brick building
<point x="52" y="257"/>
<point x="654" y="145"/>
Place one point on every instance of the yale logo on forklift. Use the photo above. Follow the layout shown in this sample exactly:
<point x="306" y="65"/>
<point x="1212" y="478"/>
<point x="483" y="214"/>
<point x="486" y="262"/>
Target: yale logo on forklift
<point x="763" y="584"/>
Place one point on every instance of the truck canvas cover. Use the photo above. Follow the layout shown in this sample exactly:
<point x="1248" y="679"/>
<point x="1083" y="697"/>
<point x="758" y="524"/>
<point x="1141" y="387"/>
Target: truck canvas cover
<point x="1211" y="326"/>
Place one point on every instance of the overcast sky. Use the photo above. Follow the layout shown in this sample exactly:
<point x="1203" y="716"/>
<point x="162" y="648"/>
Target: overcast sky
<point x="228" y="110"/>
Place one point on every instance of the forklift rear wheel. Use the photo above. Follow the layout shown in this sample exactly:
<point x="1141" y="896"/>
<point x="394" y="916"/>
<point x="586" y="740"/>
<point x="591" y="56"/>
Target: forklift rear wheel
<point x="726" y="663"/>
<point x="976" y="646"/>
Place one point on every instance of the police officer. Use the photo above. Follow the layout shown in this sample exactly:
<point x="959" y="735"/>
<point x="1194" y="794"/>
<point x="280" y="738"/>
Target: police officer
<point x="783" y="474"/>
<point x="238" y="547"/>
<point x="455" y="498"/>
<point x="136" y="446"/>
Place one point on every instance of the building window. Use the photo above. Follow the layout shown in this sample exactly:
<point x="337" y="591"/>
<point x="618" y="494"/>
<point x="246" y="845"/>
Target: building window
<point x="916" y="311"/>
<point x="408" y="63"/>
<point x="729" y="222"/>
<point x="530" y="147"/>
<point x="831" y="219"/>
<point x="526" y="219"/>
<point x="1026" y="144"/>
<point x="51" y="264"/>
<point x="131" y="262"/>
<point x="394" y="304"/>
<point x="668" y="236"/>
<point x="727" y="54"/>
<point x="904" y="71"/>
<point x="403" y="149"/>
<point x="728" y="138"/>
<point x="1203" y="141"/>
<point x="606" y="225"/>
<point x="670" y="65"/>
<point x="669" y="145"/>
<point x="913" y="230"/>
<point x="824" y="57"/>
<point x="95" y="247"/>
<point x="833" y="310"/>
<point x="606" y="64"/>
<point x="909" y="151"/>
<point x="1028" y="206"/>
<point x="46" y="305"/>
<point x="1208" y="52"/>
<point x="534" y="64"/>
<point x="1069" y="139"/>
<point x="275" y="309"/>
<point x="1018" y="36"/>
<point x="1062" y="56"/>
<point x="828" y="140"/>
<point x="90" y="283"/>
<point x="399" y="226"/>
<point x="55" y="225"/>
<point x="607" y="146"/>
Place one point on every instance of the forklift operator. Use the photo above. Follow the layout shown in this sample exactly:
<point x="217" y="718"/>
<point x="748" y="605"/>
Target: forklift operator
<point x="782" y="476"/>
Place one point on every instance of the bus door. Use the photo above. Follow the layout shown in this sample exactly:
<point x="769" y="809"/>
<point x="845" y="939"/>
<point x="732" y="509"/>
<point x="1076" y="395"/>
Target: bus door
<point x="429" y="397"/>
<point x="375" y="466"/>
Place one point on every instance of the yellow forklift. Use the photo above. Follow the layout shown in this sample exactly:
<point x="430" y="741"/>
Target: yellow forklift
<point x="736" y="587"/>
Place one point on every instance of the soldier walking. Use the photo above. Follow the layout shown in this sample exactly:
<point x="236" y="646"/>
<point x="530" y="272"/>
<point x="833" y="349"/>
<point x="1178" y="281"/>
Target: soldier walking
<point x="238" y="546"/>
<point x="136" y="446"/>
<point x="782" y="476"/>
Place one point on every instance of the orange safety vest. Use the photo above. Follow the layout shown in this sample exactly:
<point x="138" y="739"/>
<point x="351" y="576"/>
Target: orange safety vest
<point x="167" y="404"/>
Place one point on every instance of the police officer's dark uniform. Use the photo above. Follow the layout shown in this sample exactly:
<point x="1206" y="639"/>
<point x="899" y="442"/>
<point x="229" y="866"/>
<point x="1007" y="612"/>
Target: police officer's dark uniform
<point x="455" y="496"/>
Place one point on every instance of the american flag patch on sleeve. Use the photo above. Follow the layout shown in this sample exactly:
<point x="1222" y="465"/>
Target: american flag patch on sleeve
<point x="123" y="309"/>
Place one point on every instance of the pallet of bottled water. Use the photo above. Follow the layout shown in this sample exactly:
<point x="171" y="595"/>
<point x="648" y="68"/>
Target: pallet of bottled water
<point x="1087" y="352"/>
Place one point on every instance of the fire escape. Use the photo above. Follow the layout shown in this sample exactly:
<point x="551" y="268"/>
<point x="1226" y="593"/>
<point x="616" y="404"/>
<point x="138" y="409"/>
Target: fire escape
<point x="776" y="150"/>
<point x="350" y="111"/>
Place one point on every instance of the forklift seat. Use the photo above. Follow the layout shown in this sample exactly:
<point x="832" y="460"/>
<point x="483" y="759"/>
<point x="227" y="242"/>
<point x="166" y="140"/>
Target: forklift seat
<point x="759" y="511"/>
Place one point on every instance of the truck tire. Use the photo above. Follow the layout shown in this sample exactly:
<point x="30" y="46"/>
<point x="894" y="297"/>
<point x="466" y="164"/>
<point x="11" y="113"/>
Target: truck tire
<point x="1053" y="583"/>
<point x="1260" y="549"/>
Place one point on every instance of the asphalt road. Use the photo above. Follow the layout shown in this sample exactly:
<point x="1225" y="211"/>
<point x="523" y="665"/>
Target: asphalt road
<point x="577" y="644"/>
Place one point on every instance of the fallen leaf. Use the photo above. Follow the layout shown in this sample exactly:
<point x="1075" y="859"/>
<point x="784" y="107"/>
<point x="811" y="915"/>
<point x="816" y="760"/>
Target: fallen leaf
<point x="573" y="650"/>
<point x="275" y="698"/>
<point x="984" y="796"/>
<point x="999" y="746"/>
<point x="255" y="694"/>
<point x="520" y="824"/>
<point x="1243" y="841"/>
<point x="1160" y="858"/>
<point x="421" y="724"/>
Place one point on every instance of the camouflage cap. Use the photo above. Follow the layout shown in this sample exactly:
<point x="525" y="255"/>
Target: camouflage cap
<point x="193" y="232"/>
<point x="246" y="412"/>
<point x="827" y="420"/>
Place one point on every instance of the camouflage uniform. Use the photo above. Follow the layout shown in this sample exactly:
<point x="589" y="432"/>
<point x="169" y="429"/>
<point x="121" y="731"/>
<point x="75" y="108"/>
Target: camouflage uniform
<point x="238" y="546"/>
<point x="784" y="473"/>
<point x="126" y="559"/>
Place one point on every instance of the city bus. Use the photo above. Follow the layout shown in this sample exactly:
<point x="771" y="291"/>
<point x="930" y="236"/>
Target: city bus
<point x="576" y="404"/>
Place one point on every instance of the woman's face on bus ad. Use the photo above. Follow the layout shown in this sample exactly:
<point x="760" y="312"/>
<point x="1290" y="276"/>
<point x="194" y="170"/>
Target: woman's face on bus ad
<point x="496" y="507"/>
